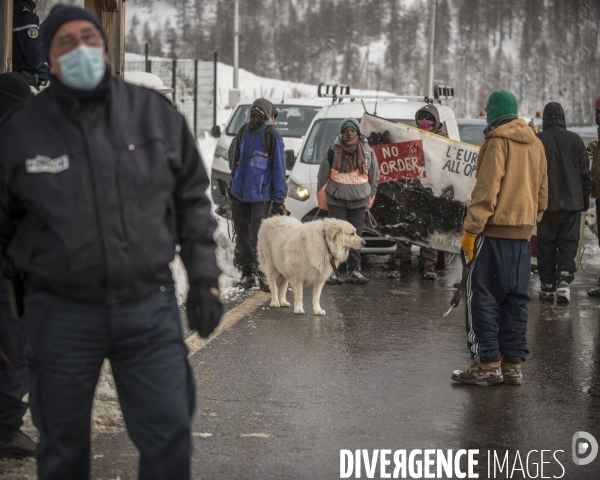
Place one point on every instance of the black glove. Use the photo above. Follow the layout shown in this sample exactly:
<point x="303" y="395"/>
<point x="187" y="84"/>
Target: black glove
<point x="33" y="80"/>
<point x="204" y="308"/>
<point x="586" y="204"/>
<point x="278" y="209"/>
<point x="8" y="354"/>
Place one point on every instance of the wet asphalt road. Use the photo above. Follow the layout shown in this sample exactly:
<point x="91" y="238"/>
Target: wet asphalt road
<point x="278" y="394"/>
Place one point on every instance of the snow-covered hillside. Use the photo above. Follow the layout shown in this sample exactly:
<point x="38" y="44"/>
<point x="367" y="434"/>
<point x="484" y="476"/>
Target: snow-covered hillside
<point x="542" y="51"/>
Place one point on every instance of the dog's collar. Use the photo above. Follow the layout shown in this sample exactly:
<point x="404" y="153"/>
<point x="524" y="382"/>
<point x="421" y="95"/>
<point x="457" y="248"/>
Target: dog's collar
<point x="331" y="257"/>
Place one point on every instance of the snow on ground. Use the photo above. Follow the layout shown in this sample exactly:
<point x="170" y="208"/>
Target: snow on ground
<point x="225" y="246"/>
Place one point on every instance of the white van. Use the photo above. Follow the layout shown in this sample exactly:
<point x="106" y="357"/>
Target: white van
<point x="302" y="182"/>
<point x="293" y="119"/>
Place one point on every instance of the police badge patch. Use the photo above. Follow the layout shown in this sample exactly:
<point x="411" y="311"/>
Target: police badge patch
<point x="32" y="32"/>
<point x="43" y="164"/>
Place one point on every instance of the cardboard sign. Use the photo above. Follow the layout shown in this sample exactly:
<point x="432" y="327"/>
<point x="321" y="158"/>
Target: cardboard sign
<point x="425" y="185"/>
<point x="400" y="161"/>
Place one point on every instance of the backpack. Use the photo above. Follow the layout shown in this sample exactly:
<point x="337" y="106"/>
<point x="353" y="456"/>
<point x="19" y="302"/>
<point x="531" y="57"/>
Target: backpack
<point x="268" y="143"/>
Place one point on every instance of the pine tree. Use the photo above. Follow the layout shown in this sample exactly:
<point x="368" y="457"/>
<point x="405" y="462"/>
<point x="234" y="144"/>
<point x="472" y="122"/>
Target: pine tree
<point x="131" y="39"/>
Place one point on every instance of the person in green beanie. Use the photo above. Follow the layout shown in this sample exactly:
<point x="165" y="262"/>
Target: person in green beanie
<point x="509" y="199"/>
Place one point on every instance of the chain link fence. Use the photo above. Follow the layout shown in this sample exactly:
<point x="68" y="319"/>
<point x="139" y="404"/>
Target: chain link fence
<point x="194" y="85"/>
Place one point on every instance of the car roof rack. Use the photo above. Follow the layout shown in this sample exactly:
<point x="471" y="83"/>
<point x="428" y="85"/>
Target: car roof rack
<point x="340" y="91"/>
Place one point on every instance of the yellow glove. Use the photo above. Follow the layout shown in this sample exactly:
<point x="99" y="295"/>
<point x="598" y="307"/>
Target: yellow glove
<point x="468" y="244"/>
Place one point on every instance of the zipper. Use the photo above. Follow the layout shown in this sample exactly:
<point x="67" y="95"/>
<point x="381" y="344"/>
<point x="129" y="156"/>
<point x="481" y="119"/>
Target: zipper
<point x="120" y="199"/>
<point x="96" y="202"/>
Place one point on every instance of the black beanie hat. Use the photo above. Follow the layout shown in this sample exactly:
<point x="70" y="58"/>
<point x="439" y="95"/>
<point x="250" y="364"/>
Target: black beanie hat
<point x="14" y="90"/>
<point x="264" y="105"/>
<point x="62" y="14"/>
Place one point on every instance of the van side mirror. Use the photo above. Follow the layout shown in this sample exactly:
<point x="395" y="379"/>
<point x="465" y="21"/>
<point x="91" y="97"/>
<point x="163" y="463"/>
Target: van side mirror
<point x="290" y="159"/>
<point x="215" y="131"/>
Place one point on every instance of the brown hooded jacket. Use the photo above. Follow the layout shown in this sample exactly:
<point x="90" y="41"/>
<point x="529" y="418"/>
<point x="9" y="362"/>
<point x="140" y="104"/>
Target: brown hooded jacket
<point x="511" y="192"/>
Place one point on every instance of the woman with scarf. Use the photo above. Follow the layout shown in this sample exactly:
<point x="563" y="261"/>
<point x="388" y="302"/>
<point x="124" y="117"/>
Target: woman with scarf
<point x="347" y="182"/>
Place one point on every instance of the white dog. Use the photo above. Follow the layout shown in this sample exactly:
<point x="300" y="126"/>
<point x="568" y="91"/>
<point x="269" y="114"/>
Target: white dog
<point x="591" y="221"/>
<point x="302" y="253"/>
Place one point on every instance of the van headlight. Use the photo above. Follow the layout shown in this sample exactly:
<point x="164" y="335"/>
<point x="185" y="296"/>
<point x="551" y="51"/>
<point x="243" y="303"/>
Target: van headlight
<point x="221" y="152"/>
<point x="297" y="192"/>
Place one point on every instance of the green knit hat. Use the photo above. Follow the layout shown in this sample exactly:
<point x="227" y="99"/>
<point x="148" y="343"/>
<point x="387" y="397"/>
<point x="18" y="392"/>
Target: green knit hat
<point x="501" y="104"/>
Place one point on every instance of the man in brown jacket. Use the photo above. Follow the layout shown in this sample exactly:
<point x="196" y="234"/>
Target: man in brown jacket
<point x="595" y="292"/>
<point x="509" y="198"/>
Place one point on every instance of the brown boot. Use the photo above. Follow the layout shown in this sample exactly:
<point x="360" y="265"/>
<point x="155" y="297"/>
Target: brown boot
<point x="511" y="370"/>
<point x="488" y="372"/>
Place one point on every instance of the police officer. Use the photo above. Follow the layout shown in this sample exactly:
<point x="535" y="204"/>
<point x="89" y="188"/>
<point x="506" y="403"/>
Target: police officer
<point x="27" y="58"/>
<point x="92" y="209"/>
<point x="14" y="384"/>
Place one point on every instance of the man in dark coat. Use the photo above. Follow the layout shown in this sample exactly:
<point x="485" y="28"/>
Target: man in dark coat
<point x="27" y="56"/>
<point x="14" y="383"/>
<point x="568" y="195"/>
<point x="594" y="154"/>
<point x="92" y="209"/>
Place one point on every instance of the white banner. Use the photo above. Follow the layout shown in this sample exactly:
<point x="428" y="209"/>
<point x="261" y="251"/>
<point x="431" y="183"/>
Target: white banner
<point x="425" y="185"/>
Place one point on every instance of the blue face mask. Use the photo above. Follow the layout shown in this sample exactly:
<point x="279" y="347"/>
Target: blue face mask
<point x="82" y="68"/>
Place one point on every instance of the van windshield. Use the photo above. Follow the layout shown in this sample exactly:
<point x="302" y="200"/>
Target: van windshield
<point x="322" y="136"/>
<point x="292" y="120"/>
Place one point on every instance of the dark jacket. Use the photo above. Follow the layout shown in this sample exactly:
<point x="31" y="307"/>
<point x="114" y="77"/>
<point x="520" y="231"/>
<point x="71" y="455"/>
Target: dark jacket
<point x="258" y="177"/>
<point x="595" y="172"/>
<point x="93" y="207"/>
<point x="27" y="56"/>
<point x="568" y="163"/>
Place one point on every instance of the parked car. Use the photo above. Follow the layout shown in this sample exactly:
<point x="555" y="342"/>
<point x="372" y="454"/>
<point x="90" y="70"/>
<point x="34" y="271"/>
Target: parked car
<point x="302" y="182"/>
<point x="471" y="130"/>
<point x="293" y="119"/>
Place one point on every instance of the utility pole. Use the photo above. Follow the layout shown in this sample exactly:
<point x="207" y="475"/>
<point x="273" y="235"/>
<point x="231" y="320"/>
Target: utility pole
<point x="6" y="35"/>
<point x="428" y="80"/>
<point x="112" y="15"/>
<point x="234" y="93"/>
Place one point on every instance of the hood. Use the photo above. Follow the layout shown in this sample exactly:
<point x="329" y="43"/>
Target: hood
<point x="554" y="115"/>
<point x="351" y="120"/>
<point x="434" y="111"/>
<point x="516" y="130"/>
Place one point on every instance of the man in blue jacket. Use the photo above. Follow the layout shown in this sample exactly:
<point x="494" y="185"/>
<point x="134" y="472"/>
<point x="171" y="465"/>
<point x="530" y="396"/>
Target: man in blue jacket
<point x="257" y="186"/>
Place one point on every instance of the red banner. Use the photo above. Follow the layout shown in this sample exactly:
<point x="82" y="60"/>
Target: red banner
<point x="400" y="161"/>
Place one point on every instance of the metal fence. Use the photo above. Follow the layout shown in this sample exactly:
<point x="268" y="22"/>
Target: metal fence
<point x="194" y="85"/>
